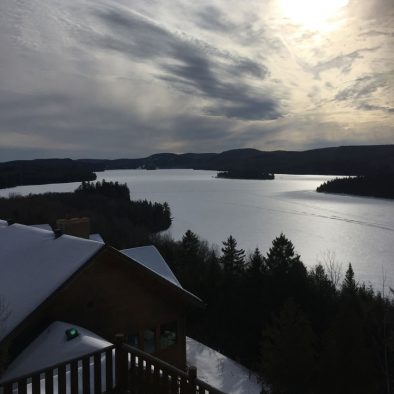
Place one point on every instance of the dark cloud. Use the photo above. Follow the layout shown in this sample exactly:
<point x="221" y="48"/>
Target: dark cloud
<point x="361" y="87"/>
<point x="212" y="18"/>
<point x="371" y="107"/>
<point x="193" y="68"/>
<point x="344" y="62"/>
<point x="360" y="92"/>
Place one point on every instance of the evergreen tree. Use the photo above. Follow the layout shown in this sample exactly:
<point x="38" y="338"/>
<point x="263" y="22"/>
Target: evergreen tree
<point x="349" y="284"/>
<point x="256" y="263"/>
<point x="190" y="243"/>
<point x="281" y="256"/>
<point x="287" y="352"/>
<point x="233" y="259"/>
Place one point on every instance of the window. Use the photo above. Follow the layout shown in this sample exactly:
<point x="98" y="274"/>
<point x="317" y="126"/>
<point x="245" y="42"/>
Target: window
<point x="132" y="340"/>
<point x="168" y="334"/>
<point x="149" y="341"/>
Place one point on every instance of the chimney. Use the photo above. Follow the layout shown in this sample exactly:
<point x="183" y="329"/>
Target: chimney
<point x="78" y="227"/>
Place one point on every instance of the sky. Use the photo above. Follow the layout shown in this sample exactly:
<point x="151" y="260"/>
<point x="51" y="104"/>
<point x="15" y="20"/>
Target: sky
<point x="129" y="78"/>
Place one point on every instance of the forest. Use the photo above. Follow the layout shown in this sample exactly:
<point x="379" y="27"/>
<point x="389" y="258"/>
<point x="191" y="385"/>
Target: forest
<point x="120" y="221"/>
<point x="303" y="330"/>
<point x="381" y="185"/>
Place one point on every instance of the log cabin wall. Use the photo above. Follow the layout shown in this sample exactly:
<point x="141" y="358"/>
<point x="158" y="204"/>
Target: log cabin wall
<point x="114" y="295"/>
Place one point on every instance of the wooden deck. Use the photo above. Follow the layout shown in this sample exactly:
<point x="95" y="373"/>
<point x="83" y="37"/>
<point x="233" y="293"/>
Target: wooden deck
<point x="119" y="368"/>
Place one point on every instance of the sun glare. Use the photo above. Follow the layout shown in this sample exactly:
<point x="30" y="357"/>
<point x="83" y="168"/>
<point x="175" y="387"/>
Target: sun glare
<point x="311" y="14"/>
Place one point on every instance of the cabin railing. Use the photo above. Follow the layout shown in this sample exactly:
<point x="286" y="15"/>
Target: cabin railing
<point x="120" y="369"/>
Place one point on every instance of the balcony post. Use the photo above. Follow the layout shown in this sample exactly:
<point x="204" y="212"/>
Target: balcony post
<point x="121" y="365"/>
<point x="192" y="376"/>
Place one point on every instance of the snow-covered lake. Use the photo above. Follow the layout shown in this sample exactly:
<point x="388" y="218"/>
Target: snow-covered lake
<point x="356" y="229"/>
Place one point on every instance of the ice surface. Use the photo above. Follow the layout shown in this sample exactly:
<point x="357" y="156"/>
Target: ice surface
<point x="33" y="264"/>
<point x="150" y="257"/>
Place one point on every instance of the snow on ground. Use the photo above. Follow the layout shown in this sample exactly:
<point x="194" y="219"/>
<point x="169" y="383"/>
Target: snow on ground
<point x="51" y="347"/>
<point x="219" y="371"/>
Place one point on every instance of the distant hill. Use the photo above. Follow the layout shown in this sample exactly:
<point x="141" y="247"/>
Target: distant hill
<point x="42" y="171"/>
<point x="344" y="160"/>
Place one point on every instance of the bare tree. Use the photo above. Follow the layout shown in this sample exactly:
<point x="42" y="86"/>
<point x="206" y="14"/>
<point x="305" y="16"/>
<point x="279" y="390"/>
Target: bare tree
<point x="387" y="301"/>
<point x="332" y="266"/>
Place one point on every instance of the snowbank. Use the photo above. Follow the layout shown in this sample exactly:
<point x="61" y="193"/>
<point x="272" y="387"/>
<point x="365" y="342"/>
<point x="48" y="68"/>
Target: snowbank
<point x="219" y="371"/>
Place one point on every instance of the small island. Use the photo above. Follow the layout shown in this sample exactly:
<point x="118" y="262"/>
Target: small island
<point x="381" y="185"/>
<point x="245" y="174"/>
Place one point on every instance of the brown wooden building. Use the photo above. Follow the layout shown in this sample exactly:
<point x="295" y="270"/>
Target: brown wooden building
<point x="47" y="277"/>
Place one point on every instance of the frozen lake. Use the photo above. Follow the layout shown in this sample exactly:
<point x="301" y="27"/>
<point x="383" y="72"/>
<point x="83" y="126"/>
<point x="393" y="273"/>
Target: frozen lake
<point x="356" y="229"/>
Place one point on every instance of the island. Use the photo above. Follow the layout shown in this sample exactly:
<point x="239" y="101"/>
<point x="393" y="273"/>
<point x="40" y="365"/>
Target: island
<point x="245" y="174"/>
<point x="381" y="185"/>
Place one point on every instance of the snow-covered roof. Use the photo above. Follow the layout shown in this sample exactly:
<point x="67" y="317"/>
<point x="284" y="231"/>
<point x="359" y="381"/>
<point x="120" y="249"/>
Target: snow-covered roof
<point x="42" y="226"/>
<point x="96" y="237"/>
<point x="33" y="264"/>
<point x="219" y="371"/>
<point x="149" y="257"/>
<point x="51" y="347"/>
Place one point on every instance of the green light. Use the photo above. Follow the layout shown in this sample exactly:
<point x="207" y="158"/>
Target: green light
<point x="71" y="333"/>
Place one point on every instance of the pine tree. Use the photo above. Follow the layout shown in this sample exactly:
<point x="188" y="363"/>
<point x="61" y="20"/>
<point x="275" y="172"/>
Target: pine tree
<point x="349" y="284"/>
<point x="281" y="256"/>
<point x="256" y="263"/>
<point x="190" y="243"/>
<point x="287" y="352"/>
<point x="233" y="259"/>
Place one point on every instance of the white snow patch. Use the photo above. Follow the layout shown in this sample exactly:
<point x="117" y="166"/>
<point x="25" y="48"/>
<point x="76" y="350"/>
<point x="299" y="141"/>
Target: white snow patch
<point x="149" y="257"/>
<point x="33" y="264"/>
<point x="42" y="226"/>
<point x="51" y="347"/>
<point x="96" y="237"/>
<point x="219" y="371"/>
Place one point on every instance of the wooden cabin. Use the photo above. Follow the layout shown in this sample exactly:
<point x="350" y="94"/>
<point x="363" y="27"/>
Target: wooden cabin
<point x="47" y="277"/>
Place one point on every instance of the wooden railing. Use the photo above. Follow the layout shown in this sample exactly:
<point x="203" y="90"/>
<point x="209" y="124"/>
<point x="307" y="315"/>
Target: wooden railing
<point x="119" y="368"/>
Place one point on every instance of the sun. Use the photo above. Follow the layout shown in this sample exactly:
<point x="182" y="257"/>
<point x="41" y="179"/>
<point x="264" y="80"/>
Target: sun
<point x="311" y="14"/>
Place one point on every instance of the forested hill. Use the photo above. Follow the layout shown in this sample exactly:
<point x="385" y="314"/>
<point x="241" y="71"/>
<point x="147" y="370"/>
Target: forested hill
<point x="42" y="171"/>
<point x="345" y="160"/>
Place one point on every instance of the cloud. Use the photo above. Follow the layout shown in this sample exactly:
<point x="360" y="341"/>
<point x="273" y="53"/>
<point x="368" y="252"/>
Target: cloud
<point x="365" y="93"/>
<point x="193" y="67"/>
<point x="343" y="62"/>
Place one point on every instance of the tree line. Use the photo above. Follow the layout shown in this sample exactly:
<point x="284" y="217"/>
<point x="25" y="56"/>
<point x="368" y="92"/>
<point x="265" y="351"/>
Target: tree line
<point x="303" y="330"/>
<point x="381" y="185"/>
<point x="120" y="221"/>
